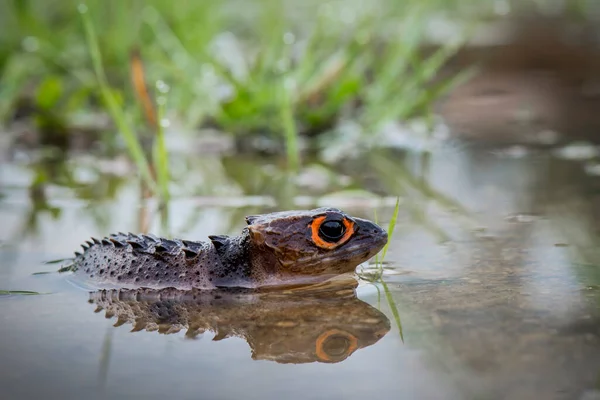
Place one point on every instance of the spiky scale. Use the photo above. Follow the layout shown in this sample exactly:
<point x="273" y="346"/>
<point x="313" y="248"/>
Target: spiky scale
<point x="194" y="246"/>
<point x="168" y="246"/>
<point x="139" y="326"/>
<point x="189" y="253"/>
<point x="191" y="332"/>
<point x="107" y="242"/>
<point x="136" y="245"/>
<point x="221" y="334"/>
<point x="150" y="238"/>
<point x="169" y="243"/>
<point x="219" y="240"/>
<point x="97" y="241"/>
<point x="117" y="243"/>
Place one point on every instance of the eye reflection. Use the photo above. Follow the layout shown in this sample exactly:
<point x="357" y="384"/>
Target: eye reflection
<point x="336" y="346"/>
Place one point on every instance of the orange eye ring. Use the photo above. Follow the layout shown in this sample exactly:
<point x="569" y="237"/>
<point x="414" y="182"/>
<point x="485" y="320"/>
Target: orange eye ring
<point x="320" y="350"/>
<point x="316" y="224"/>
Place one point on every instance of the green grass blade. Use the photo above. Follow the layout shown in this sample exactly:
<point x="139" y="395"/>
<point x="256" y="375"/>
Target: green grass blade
<point x="20" y="292"/>
<point x="66" y="268"/>
<point x="391" y="227"/>
<point x="376" y="220"/>
<point x="133" y="145"/>
<point x="161" y="155"/>
<point x="57" y="261"/>
<point x="394" y="308"/>
<point x="289" y="130"/>
<point x="105" y="357"/>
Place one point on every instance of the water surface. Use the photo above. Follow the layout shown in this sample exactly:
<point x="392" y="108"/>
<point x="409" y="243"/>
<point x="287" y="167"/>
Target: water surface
<point x="493" y="269"/>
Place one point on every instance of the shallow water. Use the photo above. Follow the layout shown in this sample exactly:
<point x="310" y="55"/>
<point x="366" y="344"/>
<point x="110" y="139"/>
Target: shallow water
<point x="494" y="270"/>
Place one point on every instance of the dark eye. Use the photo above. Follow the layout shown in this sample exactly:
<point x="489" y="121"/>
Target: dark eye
<point x="332" y="231"/>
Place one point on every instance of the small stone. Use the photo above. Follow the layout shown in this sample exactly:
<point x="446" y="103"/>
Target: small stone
<point x="592" y="169"/>
<point x="578" y="151"/>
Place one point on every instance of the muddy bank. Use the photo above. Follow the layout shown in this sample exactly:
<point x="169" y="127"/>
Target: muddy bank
<point x="537" y="83"/>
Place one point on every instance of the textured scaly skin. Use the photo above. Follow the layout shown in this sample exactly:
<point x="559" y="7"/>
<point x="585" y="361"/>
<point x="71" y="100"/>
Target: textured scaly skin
<point x="149" y="261"/>
<point x="274" y="249"/>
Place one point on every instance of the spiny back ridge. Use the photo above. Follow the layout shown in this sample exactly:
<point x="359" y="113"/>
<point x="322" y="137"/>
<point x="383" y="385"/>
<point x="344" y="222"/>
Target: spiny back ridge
<point x="136" y="261"/>
<point x="148" y="244"/>
<point x="147" y="261"/>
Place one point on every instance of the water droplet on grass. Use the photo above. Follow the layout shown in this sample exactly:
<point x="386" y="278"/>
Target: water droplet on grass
<point x="289" y="38"/>
<point x="30" y="44"/>
<point x="162" y="86"/>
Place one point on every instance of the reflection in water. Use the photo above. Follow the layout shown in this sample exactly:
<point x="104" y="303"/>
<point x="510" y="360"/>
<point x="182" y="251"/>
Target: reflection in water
<point x="512" y="304"/>
<point x="294" y="326"/>
<point x="87" y="181"/>
<point x="511" y="301"/>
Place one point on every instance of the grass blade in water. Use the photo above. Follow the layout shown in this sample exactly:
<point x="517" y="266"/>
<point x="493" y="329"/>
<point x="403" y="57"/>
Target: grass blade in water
<point x="20" y="292"/>
<point x="391" y="227"/>
<point x="66" y="268"/>
<point x="392" y="304"/>
<point x="119" y="117"/>
<point x="289" y="130"/>
<point x="58" y="261"/>
<point x="161" y="156"/>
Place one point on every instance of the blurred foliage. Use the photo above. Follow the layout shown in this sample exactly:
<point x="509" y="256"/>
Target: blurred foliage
<point x="90" y="185"/>
<point x="245" y="66"/>
<point x="271" y="68"/>
<point x="236" y="64"/>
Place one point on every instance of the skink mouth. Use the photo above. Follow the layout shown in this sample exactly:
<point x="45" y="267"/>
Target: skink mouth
<point x="370" y="230"/>
<point x="383" y="237"/>
<point x="352" y="254"/>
